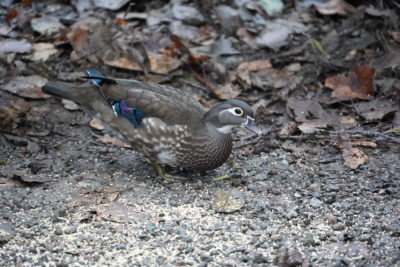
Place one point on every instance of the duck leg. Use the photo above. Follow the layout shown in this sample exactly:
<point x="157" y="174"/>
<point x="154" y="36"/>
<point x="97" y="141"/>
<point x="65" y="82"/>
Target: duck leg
<point x="166" y="176"/>
<point x="223" y="177"/>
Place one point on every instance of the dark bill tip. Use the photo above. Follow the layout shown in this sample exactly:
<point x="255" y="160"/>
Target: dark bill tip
<point x="251" y="126"/>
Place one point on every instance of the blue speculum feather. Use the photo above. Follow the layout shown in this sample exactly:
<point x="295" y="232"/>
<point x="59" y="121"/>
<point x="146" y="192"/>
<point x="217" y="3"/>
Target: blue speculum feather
<point x="93" y="72"/>
<point x="134" y="115"/>
<point x="121" y="109"/>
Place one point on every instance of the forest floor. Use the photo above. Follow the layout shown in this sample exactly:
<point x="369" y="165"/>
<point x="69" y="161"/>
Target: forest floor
<point x="321" y="187"/>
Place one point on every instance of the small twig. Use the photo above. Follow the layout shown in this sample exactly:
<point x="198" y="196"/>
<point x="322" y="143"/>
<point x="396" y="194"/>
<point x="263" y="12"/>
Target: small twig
<point x="368" y="133"/>
<point x="304" y="137"/>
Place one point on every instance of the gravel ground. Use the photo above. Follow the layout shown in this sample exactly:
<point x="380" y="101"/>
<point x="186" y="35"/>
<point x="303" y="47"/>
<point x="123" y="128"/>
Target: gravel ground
<point x="67" y="200"/>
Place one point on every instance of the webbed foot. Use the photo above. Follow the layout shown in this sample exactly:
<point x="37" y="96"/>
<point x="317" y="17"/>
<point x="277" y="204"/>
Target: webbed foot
<point x="166" y="176"/>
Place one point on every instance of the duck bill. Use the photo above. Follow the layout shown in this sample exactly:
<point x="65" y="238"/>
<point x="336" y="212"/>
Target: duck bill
<point x="251" y="126"/>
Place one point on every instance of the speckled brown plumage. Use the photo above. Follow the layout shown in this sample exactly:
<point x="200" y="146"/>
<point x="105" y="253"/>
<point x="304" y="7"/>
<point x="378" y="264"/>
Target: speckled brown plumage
<point x="175" y="130"/>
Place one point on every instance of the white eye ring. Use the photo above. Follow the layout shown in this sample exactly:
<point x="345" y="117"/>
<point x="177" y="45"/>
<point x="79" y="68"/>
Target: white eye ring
<point x="237" y="111"/>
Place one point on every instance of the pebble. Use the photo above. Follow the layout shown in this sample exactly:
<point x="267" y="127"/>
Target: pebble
<point x="332" y="220"/>
<point x="338" y="226"/>
<point x="315" y="202"/>
<point x="291" y="214"/>
<point x="120" y="246"/>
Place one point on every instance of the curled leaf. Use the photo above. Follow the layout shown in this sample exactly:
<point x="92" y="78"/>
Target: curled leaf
<point x="359" y="84"/>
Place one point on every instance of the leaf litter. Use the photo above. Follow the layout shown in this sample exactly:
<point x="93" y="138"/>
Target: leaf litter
<point x="310" y="69"/>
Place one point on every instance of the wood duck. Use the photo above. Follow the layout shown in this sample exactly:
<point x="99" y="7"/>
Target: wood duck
<point x="167" y="126"/>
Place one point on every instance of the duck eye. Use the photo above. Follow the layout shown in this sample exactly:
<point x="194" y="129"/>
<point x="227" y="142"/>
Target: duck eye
<point x="238" y="111"/>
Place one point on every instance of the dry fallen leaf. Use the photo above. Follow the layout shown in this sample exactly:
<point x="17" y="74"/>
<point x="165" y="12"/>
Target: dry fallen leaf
<point x="274" y="35"/>
<point x="359" y="84"/>
<point x="78" y="38"/>
<point x="352" y="156"/>
<point x="187" y="14"/>
<point x="42" y="51"/>
<point x="87" y="42"/>
<point x="27" y="86"/>
<point x="312" y="126"/>
<point x="377" y="109"/>
<point x="120" y="62"/>
<point x="13" y="112"/>
<point x="96" y="124"/>
<point x="333" y="7"/>
<point x="263" y="78"/>
<point x="110" y="4"/>
<point x="70" y="105"/>
<point x="228" y="91"/>
<point x="162" y="64"/>
<point x="203" y="35"/>
<point x="288" y="129"/>
<point x="47" y="25"/>
<point x="364" y="143"/>
<point x="225" y="202"/>
<point x="15" y="46"/>
<point x="390" y="59"/>
<point x="255" y="65"/>
<point x="159" y="63"/>
<point x="304" y="110"/>
<point x="348" y="120"/>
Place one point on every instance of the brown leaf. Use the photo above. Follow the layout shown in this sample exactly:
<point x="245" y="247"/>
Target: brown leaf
<point x="226" y="202"/>
<point x="288" y="129"/>
<point x="359" y="84"/>
<point x="228" y="91"/>
<point x="11" y="14"/>
<point x="333" y="7"/>
<point x="121" y="62"/>
<point x="264" y="78"/>
<point x="255" y="65"/>
<point x="79" y="39"/>
<point x="364" y="143"/>
<point x="70" y="105"/>
<point x="162" y="64"/>
<point x="27" y="86"/>
<point x="88" y="42"/>
<point x="312" y="126"/>
<point x="13" y="112"/>
<point x="353" y="157"/>
<point x="27" y="3"/>
<point x="42" y="51"/>
<point x="247" y="36"/>
<point x="348" y="120"/>
<point x="97" y="124"/>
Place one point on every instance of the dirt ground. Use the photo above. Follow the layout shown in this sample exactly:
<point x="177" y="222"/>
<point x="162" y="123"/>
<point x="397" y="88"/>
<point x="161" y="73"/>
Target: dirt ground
<point x="308" y="196"/>
<point x="68" y="200"/>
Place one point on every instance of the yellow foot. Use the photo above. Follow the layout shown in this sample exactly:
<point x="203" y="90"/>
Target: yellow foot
<point x="166" y="176"/>
<point x="217" y="179"/>
<point x="229" y="164"/>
